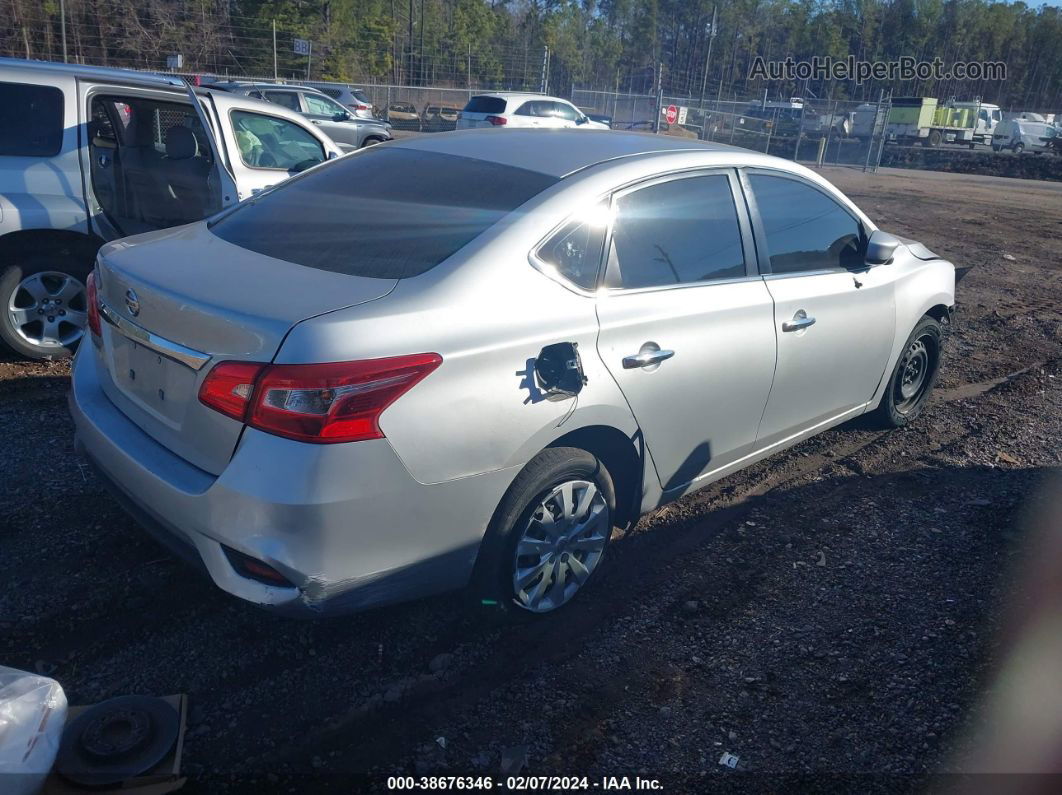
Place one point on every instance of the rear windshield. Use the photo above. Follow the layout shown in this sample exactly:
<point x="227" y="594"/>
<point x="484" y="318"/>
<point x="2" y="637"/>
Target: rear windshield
<point x="385" y="213"/>
<point x="485" y="105"/>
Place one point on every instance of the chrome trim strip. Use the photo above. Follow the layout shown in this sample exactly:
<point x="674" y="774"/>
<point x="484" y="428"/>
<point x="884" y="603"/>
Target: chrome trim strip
<point x="160" y="345"/>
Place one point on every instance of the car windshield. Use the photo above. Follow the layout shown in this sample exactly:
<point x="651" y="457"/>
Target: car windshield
<point x="374" y="214"/>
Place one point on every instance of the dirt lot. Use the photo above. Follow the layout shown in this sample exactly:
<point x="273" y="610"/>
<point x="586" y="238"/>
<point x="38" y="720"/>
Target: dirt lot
<point x="832" y="610"/>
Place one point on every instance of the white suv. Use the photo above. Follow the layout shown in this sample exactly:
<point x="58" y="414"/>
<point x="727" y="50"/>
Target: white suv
<point x="523" y="110"/>
<point x="88" y="155"/>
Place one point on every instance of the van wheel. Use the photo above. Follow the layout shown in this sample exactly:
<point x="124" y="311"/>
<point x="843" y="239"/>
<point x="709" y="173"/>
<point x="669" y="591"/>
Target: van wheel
<point x="1019" y="148"/>
<point x="44" y="307"/>
<point x="548" y="536"/>
<point x="913" y="377"/>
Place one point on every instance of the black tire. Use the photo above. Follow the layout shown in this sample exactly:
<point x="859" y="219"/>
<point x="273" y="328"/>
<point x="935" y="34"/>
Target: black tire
<point x="493" y="580"/>
<point x="1019" y="148"/>
<point x="10" y="295"/>
<point x="934" y="138"/>
<point x="372" y="140"/>
<point x="897" y="408"/>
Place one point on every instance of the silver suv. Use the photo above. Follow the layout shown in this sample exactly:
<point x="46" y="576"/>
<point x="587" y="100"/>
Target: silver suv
<point x="88" y="155"/>
<point x="465" y="358"/>
<point x="342" y="125"/>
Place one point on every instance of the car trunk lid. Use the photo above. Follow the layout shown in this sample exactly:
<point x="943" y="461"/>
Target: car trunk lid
<point x="188" y="300"/>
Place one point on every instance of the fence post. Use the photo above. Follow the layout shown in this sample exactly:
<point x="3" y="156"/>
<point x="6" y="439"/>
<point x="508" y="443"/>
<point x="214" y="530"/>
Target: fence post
<point x="659" y="96"/>
<point x="873" y="129"/>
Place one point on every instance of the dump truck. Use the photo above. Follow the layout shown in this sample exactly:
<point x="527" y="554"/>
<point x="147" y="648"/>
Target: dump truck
<point x="921" y="120"/>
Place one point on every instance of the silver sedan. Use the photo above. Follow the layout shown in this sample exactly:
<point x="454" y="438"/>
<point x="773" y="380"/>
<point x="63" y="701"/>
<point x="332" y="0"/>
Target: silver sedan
<point x="463" y="359"/>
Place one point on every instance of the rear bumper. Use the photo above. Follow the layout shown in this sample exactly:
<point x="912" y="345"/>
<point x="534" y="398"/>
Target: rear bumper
<point x="346" y="523"/>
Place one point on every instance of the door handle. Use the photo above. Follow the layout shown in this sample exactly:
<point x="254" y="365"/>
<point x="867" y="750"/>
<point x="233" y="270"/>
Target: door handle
<point x="646" y="359"/>
<point x="316" y="121"/>
<point x="800" y="321"/>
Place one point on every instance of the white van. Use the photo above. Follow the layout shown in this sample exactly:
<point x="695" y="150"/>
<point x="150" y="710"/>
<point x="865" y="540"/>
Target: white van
<point x="1019" y="136"/>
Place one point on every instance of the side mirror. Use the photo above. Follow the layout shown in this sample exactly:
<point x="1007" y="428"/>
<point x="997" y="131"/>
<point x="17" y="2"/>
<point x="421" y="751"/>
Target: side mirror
<point x="341" y="116"/>
<point x="881" y="247"/>
<point x="583" y="120"/>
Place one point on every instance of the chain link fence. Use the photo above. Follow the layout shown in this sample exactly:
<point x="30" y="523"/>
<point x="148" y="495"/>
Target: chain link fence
<point x="830" y="132"/>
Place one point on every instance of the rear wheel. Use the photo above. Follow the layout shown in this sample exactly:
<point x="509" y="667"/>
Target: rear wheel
<point x="549" y="535"/>
<point x="43" y="305"/>
<point x="913" y="377"/>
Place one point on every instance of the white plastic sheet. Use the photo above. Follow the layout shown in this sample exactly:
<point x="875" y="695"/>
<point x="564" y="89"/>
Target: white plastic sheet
<point x="32" y="715"/>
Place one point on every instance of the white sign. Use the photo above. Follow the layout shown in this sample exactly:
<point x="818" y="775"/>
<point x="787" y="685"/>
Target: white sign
<point x="174" y="61"/>
<point x="683" y="110"/>
<point x="302" y="47"/>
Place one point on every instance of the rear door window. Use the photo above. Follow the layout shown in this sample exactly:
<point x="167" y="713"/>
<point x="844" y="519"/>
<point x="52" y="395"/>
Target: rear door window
<point x="289" y="99"/>
<point x="31" y="120"/>
<point x="485" y="105"/>
<point x="681" y="231"/>
<point x="375" y="213"/>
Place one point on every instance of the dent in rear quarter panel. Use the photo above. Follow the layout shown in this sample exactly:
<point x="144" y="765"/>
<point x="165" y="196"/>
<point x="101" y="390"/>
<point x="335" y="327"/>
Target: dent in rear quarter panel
<point x="922" y="286"/>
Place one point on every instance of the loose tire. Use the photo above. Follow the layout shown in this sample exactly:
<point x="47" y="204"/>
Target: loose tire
<point x="913" y="377"/>
<point x="548" y="536"/>
<point x="42" y="306"/>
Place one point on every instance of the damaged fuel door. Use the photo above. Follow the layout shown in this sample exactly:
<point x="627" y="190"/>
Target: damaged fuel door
<point x="559" y="371"/>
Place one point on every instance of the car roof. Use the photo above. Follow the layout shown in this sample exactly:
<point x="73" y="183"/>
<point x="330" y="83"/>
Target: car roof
<point x="226" y="84"/>
<point x="98" y="72"/>
<point x="522" y="95"/>
<point x="569" y="150"/>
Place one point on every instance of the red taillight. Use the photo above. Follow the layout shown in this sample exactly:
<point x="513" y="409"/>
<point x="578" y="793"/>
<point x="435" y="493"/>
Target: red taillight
<point x="228" y="388"/>
<point x="498" y="121"/>
<point x="322" y="403"/>
<point x="359" y="106"/>
<point x="93" y="301"/>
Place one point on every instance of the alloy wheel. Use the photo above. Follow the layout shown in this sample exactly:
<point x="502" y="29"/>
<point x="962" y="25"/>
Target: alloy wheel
<point x="561" y="545"/>
<point x="48" y="309"/>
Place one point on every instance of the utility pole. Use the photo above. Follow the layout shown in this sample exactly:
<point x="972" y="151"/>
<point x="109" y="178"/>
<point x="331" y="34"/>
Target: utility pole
<point x="708" y="59"/>
<point x="274" y="49"/>
<point x="409" y="75"/>
<point x="543" y="84"/>
<point x="309" y="58"/>
<point x="62" y="24"/>
<point x="423" y="76"/>
<point x="659" y="94"/>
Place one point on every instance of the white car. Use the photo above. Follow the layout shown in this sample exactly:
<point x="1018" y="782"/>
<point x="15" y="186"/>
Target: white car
<point x="523" y="110"/>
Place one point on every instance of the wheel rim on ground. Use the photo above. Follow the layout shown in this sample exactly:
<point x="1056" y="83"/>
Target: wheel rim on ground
<point x="912" y="377"/>
<point x="48" y="309"/>
<point x="560" y="546"/>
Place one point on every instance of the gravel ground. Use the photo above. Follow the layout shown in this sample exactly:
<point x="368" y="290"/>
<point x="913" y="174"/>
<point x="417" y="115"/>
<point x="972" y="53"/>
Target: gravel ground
<point x="830" y="612"/>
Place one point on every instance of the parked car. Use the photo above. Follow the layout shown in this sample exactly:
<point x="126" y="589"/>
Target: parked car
<point x="88" y="155"/>
<point x="600" y="118"/>
<point x="403" y="116"/>
<point x="348" y="131"/>
<point x="353" y="99"/>
<point x="523" y="110"/>
<point x="257" y="394"/>
<point x="439" y="117"/>
<point x="1020" y="136"/>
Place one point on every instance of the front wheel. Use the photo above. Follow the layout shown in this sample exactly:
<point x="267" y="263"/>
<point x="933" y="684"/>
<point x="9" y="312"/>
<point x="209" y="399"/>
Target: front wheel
<point x="43" y="307"/>
<point x="549" y="534"/>
<point x="1019" y="148"/>
<point x="914" y="375"/>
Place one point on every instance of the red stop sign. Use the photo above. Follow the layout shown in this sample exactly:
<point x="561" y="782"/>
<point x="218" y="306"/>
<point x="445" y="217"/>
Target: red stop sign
<point x="672" y="114"/>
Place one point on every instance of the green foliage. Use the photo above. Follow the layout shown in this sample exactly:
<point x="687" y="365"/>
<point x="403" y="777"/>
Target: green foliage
<point x="605" y="44"/>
